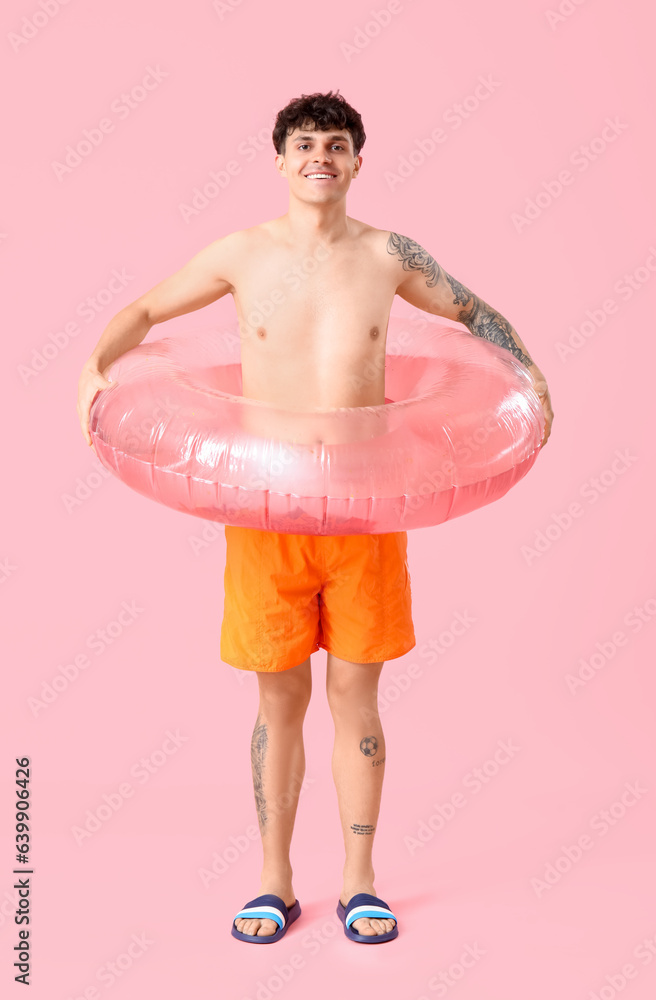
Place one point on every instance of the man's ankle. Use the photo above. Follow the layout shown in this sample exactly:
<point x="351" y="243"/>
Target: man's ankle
<point x="277" y="873"/>
<point x="357" y="876"/>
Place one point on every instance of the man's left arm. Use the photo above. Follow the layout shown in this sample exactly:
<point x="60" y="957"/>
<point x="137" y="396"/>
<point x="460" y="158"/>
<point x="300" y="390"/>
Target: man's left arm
<point x="426" y="285"/>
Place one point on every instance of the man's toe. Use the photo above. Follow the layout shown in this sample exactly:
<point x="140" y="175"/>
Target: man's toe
<point x="256" y="927"/>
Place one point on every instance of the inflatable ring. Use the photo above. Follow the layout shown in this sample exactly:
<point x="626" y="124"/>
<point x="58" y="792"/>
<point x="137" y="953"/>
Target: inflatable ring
<point x="461" y="424"/>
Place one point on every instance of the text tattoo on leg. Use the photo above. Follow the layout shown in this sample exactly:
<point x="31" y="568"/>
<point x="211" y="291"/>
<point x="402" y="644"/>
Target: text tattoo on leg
<point x="259" y="743"/>
<point x="363" y="829"/>
<point x="479" y="318"/>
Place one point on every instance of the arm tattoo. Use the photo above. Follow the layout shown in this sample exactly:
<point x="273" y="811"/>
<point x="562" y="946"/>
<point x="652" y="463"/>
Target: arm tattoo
<point x="364" y="829"/>
<point x="414" y="257"/>
<point x="479" y="318"/>
<point x="259" y="743"/>
<point x="484" y="321"/>
<point x="461" y="293"/>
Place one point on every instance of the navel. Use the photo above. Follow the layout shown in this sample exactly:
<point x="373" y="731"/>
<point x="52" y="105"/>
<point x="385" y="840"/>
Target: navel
<point x="373" y="333"/>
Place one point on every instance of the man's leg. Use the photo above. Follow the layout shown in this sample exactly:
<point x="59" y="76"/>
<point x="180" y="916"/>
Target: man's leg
<point x="358" y="765"/>
<point x="278" y="766"/>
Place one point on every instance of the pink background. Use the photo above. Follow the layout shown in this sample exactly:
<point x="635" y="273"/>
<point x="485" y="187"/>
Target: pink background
<point x="473" y="883"/>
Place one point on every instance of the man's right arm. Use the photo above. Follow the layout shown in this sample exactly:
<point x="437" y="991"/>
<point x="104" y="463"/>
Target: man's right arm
<point x="201" y="281"/>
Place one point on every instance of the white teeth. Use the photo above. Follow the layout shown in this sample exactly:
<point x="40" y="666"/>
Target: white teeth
<point x="329" y="176"/>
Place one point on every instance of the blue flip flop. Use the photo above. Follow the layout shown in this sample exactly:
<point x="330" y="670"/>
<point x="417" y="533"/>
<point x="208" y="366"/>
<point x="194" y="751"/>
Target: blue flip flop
<point x="363" y="904"/>
<point x="273" y="908"/>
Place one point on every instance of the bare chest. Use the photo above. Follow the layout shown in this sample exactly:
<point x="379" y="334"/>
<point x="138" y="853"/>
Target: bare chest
<point x="312" y="324"/>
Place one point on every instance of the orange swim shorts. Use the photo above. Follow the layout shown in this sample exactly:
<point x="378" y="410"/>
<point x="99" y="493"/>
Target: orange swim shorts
<point x="287" y="595"/>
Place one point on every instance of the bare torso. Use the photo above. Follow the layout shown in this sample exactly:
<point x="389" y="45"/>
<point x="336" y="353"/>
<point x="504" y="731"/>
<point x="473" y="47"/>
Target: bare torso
<point x="313" y="319"/>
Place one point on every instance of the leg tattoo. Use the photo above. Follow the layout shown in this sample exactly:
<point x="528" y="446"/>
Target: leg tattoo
<point x="258" y="750"/>
<point x="369" y="746"/>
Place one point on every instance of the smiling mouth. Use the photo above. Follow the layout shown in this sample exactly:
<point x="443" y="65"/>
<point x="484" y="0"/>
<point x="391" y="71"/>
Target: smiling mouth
<point x="320" y="176"/>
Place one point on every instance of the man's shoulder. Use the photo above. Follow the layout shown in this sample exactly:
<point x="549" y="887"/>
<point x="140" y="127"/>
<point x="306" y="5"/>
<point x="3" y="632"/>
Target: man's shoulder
<point x="233" y="245"/>
<point x="241" y="236"/>
<point x="385" y="242"/>
<point x="384" y="239"/>
<point x="262" y="233"/>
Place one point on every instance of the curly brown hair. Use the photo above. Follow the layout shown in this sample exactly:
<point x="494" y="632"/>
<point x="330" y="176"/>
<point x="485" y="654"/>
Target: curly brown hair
<point x="324" y="111"/>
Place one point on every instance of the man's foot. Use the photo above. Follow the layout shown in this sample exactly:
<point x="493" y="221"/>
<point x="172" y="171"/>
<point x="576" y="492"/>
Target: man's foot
<point x="367" y="926"/>
<point x="262" y="927"/>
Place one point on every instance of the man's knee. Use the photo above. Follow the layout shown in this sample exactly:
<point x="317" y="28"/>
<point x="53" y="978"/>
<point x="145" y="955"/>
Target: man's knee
<point x="352" y="683"/>
<point x="286" y="691"/>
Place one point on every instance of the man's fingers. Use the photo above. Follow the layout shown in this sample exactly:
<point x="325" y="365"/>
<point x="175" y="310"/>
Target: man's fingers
<point x="98" y="384"/>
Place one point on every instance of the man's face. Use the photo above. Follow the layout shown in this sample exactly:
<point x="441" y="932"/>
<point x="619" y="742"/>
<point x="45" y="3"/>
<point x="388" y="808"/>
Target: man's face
<point x="308" y="153"/>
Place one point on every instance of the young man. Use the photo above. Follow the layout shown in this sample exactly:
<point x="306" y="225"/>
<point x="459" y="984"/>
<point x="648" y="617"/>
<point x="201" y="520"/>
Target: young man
<point x="329" y="282"/>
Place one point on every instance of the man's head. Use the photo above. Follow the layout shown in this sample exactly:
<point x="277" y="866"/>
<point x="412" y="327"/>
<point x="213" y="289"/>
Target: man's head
<point x="318" y="134"/>
<point x="318" y="111"/>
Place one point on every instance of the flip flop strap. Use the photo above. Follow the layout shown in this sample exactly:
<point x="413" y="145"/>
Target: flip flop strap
<point x="270" y="912"/>
<point x="365" y="905"/>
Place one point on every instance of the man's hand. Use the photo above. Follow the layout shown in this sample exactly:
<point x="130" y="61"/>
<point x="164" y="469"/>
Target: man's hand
<point x="91" y="382"/>
<point x="540" y="386"/>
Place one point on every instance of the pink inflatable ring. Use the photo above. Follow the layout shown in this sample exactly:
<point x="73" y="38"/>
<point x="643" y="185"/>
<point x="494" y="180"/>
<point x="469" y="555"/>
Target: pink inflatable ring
<point x="461" y="424"/>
